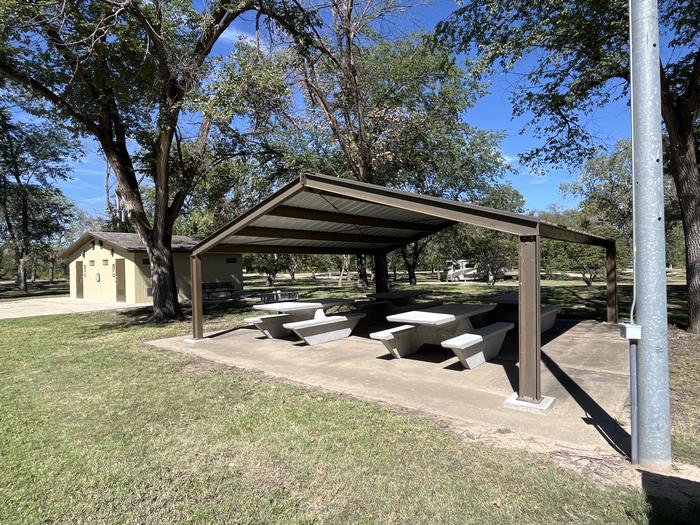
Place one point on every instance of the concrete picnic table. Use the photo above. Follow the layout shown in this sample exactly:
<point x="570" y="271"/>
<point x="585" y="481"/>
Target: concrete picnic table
<point x="400" y="297"/>
<point x="298" y="307"/>
<point x="288" y="312"/>
<point x="449" y="326"/>
<point x="509" y="303"/>
<point x="442" y="322"/>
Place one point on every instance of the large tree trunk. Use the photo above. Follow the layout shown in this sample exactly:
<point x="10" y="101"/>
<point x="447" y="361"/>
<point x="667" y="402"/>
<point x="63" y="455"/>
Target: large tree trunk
<point x="22" y="273"/>
<point x="163" y="285"/>
<point x="686" y="175"/>
<point x="381" y="273"/>
<point x="362" y="280"/>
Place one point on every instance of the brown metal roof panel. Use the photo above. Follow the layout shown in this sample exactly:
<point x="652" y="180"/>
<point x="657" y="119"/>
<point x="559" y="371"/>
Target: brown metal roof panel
<point x="270" y="221"/>
<point x="333" y="203"/>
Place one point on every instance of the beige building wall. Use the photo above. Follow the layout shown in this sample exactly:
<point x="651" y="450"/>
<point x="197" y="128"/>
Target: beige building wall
<point x="99" y="272"/>
<point x="216" y="267"/>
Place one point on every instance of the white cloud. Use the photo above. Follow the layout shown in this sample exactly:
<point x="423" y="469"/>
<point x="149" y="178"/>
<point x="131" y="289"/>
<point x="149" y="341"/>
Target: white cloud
<point x="233" y="34"/>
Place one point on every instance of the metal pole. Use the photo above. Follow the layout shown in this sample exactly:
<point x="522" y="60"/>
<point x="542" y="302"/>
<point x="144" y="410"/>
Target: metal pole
<point x="634" y="448"/>
<point x="654" y="422"/>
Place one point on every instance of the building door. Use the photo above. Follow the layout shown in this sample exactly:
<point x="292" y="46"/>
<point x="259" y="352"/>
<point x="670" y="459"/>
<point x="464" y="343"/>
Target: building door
<point x="119" y="273"/>
<point x="79" y="279"/>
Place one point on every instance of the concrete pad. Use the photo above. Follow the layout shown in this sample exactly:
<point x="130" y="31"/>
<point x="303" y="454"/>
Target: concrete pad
<point x="34" y="307"/>
<point x="544" y="407"/>
<point x="590" y="400"/>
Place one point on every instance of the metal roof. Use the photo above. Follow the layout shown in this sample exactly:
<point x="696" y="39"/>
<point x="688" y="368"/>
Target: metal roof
<point x="320" y="214"/>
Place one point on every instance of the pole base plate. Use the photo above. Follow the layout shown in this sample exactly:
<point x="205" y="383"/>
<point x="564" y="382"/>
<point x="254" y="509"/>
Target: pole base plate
<point x="543" y="407"/>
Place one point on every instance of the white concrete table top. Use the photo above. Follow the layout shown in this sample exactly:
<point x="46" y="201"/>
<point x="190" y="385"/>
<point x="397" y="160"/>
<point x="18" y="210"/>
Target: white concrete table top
<point x="440" y="315"/>
<point x="296" y="306"/>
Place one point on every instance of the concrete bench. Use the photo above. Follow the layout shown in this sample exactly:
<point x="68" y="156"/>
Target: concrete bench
<point x="323" y="328"/>
<point x="271" y="325"/>
<point x="401" y="341"/>
<point x="548" y="316"/>
<point x="482" y="345"/>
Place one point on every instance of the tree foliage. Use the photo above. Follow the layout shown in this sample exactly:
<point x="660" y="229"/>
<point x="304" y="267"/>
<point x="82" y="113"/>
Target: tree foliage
<point x="125" y="73"/>
<point x="575" y="59"/>
<point x="34" y="212"/>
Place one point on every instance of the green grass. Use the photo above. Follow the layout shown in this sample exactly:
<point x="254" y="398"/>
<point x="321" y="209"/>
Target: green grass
<point x="97" y="428"/>
<point x="8" y="290"/>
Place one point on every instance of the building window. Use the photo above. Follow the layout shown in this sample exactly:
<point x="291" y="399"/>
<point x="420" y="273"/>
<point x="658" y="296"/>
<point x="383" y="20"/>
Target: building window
<point x="231" y="260"/>
<point x="92" y="263"/>
<point x="149" y="292"/>
<point x="146" y="262"/>
<point x="105" y="262"/>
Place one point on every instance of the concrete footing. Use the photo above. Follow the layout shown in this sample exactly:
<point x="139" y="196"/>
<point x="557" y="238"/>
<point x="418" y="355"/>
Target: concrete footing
<point x="543" y="407"/>
<point x="192" y="341"/>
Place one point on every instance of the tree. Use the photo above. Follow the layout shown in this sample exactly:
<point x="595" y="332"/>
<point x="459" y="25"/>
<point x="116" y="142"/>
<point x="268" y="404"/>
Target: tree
<point x="124" y="73"/>
<point x="578" y="61"/>
<point x="604" y="184"/>
<point x="34" y="211"/>
<point x="270" y="264"/>
<point x="393" y="109"/>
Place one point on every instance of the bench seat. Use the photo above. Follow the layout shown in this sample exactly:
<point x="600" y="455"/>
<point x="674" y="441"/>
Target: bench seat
<point x="210" y="289"/>
<point x="401" y="341"/>
<point x="481" y="345"/>
<point x="322" y="328"/>
<point x="548" y="316"/>
<point x="271" y="325"/>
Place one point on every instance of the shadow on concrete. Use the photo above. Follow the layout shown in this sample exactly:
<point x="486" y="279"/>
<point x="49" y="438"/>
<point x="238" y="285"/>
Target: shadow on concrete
<point x="606" y="425"/>
<point x="671" y="499"/>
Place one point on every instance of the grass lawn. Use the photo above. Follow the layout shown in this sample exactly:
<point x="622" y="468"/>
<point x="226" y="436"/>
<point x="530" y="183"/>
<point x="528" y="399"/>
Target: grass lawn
<point x="95" y="427"/>
<point x="8" y="290"/>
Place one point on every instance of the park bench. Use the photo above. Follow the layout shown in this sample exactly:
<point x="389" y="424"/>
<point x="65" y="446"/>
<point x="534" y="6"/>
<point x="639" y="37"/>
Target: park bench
<point x="323" y="328"/>
<point x="481" y="345"/>
<point x="278" y="296"/>
<point x="548" y="316"/>
<point x="210" y="289"/>
<point x="401" y="340"/>
<point x="270" y="325"/>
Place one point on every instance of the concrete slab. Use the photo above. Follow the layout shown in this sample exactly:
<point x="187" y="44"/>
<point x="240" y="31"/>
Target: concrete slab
<point x="34" y="307"/>
<point x="590" y="399"/>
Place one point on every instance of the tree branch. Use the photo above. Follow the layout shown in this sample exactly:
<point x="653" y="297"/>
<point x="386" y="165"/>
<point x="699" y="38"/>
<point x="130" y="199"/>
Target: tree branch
<point x="43" y="90"/>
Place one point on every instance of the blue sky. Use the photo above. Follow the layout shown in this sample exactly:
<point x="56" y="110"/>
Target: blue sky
<point x="493" y="111"/>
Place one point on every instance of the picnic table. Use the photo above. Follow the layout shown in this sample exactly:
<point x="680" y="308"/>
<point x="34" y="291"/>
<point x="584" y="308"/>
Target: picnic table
<point x="288" y="312"/>
<point x="508" y="304"/>
<point x="442" y="322"/>
<point x="400" y="297"/>
<point x="448" y="325"/>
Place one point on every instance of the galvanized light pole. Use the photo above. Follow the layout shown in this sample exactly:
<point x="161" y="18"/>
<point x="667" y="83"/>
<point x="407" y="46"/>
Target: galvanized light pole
<point x="653" y="416"/>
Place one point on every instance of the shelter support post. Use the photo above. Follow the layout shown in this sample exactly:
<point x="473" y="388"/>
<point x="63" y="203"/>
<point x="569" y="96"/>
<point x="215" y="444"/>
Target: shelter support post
<point x="197" y="312"/>
<point x="529" y="319"/>
<point x="529" y="395"/>
<point x="611" y="273"/>
<point x="381" y="273"/>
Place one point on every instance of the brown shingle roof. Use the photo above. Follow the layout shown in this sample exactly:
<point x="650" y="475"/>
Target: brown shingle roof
<point x="128" y="241"/>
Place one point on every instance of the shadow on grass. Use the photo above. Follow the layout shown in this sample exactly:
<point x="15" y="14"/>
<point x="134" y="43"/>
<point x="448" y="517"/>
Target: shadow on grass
<point x="38" y="289"/>
<point x="671" y="499"/>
